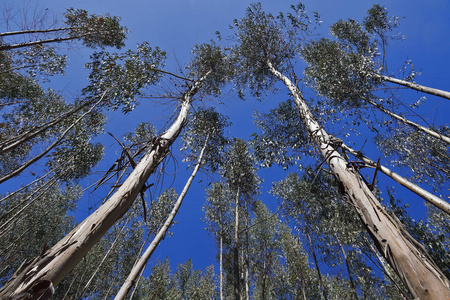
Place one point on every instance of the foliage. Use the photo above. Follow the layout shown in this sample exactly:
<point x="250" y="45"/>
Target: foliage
<point x="123" y="76"/>
<point x="318" y="211"/>
<point x="262" y="38"/>
<point x="31" y="220"/>
<point x="206" y="123"/>
<point x="95" y="30"/>
<point x="161" y="209"/>
<point x="210" y="58"/>
<point x="218" y="213"/>
<point x="185" y="283"/>
<point x="338" y="74"/>
<point x="407" y="147"/>
<point x="239" y="170"/>
<point x="39" y="60"/>
<point x="282" y="138"/>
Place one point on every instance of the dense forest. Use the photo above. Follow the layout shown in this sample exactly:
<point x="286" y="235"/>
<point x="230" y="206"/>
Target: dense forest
<point x="300" y="147"/>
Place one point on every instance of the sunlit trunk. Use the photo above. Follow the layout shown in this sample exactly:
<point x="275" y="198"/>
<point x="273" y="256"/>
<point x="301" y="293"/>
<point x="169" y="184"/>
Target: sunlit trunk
<point x="415" y="86"/>
<point x="405" y="255"/>
<point x="47" y="270"/>
<point x="432" y="199"/>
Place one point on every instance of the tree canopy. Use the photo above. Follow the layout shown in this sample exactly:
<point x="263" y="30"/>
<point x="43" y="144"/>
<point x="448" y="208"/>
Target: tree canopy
<point x="263" y="163"/>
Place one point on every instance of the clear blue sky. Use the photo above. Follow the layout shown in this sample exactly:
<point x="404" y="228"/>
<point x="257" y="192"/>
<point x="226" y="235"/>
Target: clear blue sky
<point x="176" y="25"/>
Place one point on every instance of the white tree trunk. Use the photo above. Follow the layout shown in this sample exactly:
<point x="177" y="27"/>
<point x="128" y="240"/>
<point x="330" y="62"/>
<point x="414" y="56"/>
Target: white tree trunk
<point x="221" y="269"/>
<point x="433" y="199"/>
<point x="142" y="262"/>
<point x="48" y="269"/>
<point x="405" y="255"/>
<point x="433" y="133"/>
<point x="415" y="86"/>
<point x="237" y="273"/>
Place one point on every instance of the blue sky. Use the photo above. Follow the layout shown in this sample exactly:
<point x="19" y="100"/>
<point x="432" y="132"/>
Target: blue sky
<point x="175" y="26"/>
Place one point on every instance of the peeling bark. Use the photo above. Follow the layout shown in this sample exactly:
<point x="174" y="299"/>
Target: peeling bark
<point x="54" y="264"/>
<point x="405" y="255"/>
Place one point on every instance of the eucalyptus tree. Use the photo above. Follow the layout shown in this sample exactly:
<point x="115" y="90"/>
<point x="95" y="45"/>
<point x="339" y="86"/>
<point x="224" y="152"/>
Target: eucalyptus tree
<point x="361" y="41"/>
<point x="53" y="265"/>
<point x="331" y="227"/>
<point x="264" y="252"/>
<point x="266" y="46"/>
<point x="159" y="284"/>
<point x="298" y="280"/>
<point x="219" y="220"/>
<point x="93" y="30"/>
<point x="239" y="175"/>
<point x="204" y="138"/>
<point x="227" y="214"/>
<point x="185" y="283"/>
<point x="277" y="142"/>
<point x="338" y="70"/>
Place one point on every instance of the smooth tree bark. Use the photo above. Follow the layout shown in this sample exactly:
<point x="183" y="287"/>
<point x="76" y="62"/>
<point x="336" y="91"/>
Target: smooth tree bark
<point x="42" y="42"/>
<point x="414" y="86"/>
<point x="138" y="268"/>
<point x="237" y="273"/>
<point x="34" y="31"/>
<point x="429" y="131"/>
<point x="405" y="255"/>
<point x="431" y="198"/>
<point x="39" y="277"/>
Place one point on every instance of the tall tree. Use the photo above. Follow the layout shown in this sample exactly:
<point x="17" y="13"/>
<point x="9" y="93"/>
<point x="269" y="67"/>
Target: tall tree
<point x="240" y="176"/>
<point x="52" y="266"/>
<point x="265" y="46"/>
<point x="207" y="125"/>
<point x="93" y="30"/>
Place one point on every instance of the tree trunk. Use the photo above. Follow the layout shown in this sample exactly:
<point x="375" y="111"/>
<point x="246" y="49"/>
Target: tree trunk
<point x="221" y="268"/>
<point x="405" y="255"/>
<point x="119" y="235"/>
<point x="433" y="133"/>
<point x="433" y="199"/>
<point x="316" y="264"/>
<point x="29" y="44"/>
<point x="415" y="86"/>
<point x="48" y="269"/>
<point x="142" y="262"/>
<point x="237" y="275"/>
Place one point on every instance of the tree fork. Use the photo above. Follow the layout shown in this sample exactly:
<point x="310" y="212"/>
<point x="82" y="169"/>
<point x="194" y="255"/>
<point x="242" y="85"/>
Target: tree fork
<point x="54" y="264"/>
<point x="405" y="255"/>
